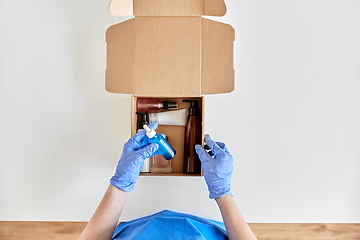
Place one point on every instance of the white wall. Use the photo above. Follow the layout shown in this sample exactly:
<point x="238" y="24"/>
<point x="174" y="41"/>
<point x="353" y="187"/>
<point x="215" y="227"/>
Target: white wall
<point x="292" y="124"/>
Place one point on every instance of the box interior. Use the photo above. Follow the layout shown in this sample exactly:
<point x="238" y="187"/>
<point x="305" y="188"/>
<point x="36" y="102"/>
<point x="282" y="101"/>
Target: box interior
<point x="176" y="134"/>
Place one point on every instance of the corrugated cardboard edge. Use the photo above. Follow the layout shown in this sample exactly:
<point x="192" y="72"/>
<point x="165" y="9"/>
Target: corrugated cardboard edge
<point x="202" y="126"/>
<point x="133" y="116"/>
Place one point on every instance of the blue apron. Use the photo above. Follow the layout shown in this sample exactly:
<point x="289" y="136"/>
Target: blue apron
<point x="170" y="225"/>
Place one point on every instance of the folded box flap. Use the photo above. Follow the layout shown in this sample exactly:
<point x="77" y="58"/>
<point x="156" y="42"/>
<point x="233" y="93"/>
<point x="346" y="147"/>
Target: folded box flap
<point x="217" y="70"/>
<point x="167" y="7"/>
<point x="170" y="56"/>
<point x="167" y="56"/>
<point x="120" y="63"/>
<point x="214" y="8"/>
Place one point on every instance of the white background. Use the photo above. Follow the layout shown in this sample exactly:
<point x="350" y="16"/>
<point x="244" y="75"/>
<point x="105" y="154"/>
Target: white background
<point x="292" y="123"/>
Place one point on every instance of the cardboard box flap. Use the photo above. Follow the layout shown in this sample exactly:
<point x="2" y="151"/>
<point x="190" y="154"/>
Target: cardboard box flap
<point x="217" y="70"/>
<point x="120" y="39"/>
<point x="170" y="57"/>
<point x="167" y="56"/>
<point x="214" y="8"/>
<point x="167" y="7"/>
<point x="144" y="61"/>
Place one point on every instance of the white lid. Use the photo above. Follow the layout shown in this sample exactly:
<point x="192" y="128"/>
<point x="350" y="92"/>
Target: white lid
<point x="149" y="132"/>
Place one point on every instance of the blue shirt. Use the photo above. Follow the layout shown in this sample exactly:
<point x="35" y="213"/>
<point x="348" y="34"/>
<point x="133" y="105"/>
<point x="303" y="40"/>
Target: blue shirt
<point x="170" y="225"/>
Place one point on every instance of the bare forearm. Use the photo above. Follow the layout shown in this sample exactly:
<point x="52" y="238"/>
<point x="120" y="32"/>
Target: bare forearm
<point x="235" y="224"/>
<point x="103" y="223"/>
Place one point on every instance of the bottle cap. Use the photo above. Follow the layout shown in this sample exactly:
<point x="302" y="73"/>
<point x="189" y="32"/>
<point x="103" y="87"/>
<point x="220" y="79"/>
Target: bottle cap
<point x="194" y="109"/>
<point x="143" y="120"/>
<point x="170" y="105"/>
<point x="149" y="132"/>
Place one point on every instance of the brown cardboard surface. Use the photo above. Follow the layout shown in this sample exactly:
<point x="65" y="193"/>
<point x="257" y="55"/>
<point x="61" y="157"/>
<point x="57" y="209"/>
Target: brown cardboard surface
<point x="120" y="62"/>
<point x="214" y="8"/>
<point x="167" y="7"/>
<point x="217" y="74"/>
<point x="176" y="136"/>
<point x="170" y="57"/>
<point x="167" y="61"/>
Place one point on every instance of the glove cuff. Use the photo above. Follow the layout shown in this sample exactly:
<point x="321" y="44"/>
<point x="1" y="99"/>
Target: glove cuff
<point x="121" y="184"/>
<point x="213" y="195"/>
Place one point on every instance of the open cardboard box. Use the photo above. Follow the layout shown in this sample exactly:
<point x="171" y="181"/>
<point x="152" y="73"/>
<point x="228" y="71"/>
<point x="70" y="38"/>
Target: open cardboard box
<point x="169" y="51"/>
<point x="176" y="134"/>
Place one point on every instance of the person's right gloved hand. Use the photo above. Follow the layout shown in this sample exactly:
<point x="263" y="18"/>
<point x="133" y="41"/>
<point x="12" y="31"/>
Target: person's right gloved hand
<point x="217" y="167"/>
<point x="132" y="159"/>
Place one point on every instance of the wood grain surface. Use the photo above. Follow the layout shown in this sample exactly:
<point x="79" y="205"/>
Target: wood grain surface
<point x="41" y="230"/>
<point x="263" y="231"/>
<point x="302" y="231"/>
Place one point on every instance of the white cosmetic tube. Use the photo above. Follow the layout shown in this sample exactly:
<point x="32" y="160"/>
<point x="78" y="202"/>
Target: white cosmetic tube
<point x="174" y="117"/>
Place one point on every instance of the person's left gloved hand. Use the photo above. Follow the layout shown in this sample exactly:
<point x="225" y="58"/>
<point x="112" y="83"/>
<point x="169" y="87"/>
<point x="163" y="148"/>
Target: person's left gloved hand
<point x="217" y="167"/>
<point x="132" y="160"/>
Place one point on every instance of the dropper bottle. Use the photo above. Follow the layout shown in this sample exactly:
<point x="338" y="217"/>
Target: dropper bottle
<point x="165" y="149"/>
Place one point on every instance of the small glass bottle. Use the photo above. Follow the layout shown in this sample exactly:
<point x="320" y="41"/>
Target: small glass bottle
<point x="152" y="105"/>
<point x="158" y="164"/>
<point x="165" y="149"/>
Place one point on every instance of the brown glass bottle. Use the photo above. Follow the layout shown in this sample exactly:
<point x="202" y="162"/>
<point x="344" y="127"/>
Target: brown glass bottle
<point x="153" y="105"/>
<point x="193" y="131"/>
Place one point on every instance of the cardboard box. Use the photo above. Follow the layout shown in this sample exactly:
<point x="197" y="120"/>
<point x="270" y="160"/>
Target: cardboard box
<point x="169" y="51"/>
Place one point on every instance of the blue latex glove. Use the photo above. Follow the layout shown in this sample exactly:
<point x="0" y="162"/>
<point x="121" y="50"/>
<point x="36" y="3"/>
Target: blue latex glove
<point x="132" y="160"/>
<point x="217" y="166"/>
